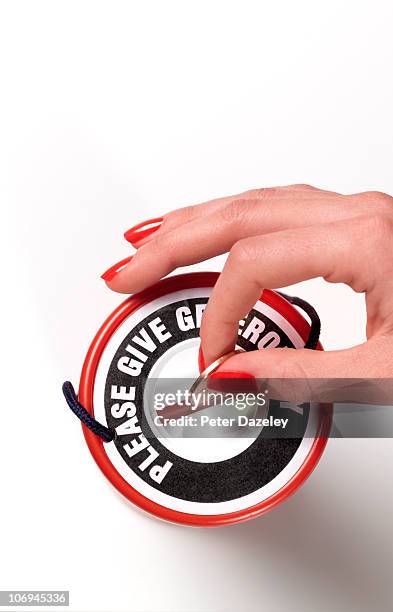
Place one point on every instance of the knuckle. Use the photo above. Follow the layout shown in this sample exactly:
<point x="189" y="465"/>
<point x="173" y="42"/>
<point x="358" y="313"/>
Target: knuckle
<point x="242" y="252"/>
<point x="263" y="193"/>
<point x="378" y="227"/>
<point x="235" y="211"/>
<point x="288" y="365"/>
<point x="375" y="195"/>
<point x="383" y="200"/>
<point x="164" y="247"/>
<point x="176" y="217"/>
<point x="304" y="186"/>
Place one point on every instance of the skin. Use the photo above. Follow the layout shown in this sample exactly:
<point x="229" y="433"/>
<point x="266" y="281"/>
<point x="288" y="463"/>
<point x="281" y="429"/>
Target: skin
<point x="277" y="237"/>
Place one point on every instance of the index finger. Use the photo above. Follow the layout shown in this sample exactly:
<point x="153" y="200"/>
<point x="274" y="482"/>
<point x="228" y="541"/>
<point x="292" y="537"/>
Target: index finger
<point x="343" y="251"/>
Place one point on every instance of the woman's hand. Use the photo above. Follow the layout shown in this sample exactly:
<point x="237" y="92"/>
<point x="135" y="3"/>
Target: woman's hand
<point x="277" y="237"/>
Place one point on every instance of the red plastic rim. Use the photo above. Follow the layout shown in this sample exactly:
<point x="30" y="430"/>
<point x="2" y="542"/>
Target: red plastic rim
<point x="96" y="446"/>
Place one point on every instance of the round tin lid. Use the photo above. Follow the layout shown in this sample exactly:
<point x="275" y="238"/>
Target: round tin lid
<point x="193" y="477"/>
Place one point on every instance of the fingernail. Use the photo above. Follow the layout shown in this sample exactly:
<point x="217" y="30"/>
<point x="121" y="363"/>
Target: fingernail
<point x="201" y="360"/>
<point x="113" y="270"/>
<point x="143" y="230"/>
<point x="233" y="382"/>
<point x="235" y="374"/>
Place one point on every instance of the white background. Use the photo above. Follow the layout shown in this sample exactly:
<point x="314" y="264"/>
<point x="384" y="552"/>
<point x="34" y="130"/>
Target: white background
<point x="112" y="112"/>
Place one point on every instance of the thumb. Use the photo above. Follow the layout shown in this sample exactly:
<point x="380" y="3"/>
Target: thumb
<point x="304" y="375"/>
<point x="289" y="363"/>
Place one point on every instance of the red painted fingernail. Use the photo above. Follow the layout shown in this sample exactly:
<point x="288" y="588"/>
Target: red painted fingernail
<point x="201" y="360"/>
<point x="143" y="230"/>
<point x="221" y="374"/>
<point x="233" y="382"/>
<point x="113" y="270"/>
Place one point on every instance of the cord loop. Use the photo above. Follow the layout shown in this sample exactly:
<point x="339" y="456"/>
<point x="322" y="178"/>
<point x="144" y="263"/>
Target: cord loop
<point x="87" y="419"/>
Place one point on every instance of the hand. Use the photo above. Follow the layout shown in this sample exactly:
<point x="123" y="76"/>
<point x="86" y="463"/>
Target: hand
<point x="277" y="237"/>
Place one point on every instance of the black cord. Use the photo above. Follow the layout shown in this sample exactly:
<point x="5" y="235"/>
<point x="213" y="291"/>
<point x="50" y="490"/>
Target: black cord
<point x="315" y="329"/>
<point x="108" y="435"/>
<point x="72" y="400"/>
